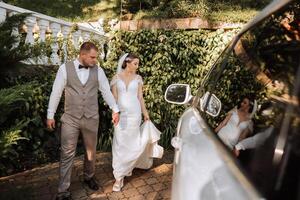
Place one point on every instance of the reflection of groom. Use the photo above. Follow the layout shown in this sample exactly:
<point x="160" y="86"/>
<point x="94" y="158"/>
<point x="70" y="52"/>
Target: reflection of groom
<point x="80" y="79"/>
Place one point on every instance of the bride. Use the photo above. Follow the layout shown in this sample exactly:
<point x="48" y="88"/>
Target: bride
<point x="238" y="124"/>
<point x="127" y="147"/>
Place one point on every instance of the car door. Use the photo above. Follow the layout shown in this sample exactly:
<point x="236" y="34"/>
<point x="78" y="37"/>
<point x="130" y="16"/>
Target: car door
<point x="204" y="168"/>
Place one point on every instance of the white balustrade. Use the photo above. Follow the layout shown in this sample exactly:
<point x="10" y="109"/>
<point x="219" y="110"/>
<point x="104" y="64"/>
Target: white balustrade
<point x="86" y="36"/>
<point x="40" y="24"/>
<point x="55" y="28"/>
<point x="43" y="25"/>
<point x="76" y="37"/>
<point x="65" y="31"/>
<point x="15" y="31"/>
<point x="2" y="14"/>
<point x="30" y="23"/>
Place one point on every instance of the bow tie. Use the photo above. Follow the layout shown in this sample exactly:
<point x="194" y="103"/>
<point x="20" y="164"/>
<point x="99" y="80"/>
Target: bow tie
<point x="82" y="66"/>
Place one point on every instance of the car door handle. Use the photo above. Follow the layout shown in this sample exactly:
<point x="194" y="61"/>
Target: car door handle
<point x="176" y="142"/>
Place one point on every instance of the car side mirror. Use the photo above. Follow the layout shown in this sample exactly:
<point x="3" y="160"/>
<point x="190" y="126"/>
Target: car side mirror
<point x="178" y="94"/>
<point x="211" y="103"/>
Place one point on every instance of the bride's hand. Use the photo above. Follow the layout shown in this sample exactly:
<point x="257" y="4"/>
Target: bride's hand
<point x="115" y="118"/>
<point x="146" y="117"/>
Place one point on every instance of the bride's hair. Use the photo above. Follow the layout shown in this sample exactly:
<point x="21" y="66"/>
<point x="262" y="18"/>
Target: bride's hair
<point x="129" y="58"/>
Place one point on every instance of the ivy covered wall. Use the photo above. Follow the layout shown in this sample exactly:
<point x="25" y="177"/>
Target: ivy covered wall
<point x="167" y="57"/>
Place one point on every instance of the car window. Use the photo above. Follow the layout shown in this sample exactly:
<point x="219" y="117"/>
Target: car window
<point x="263" y="67"/>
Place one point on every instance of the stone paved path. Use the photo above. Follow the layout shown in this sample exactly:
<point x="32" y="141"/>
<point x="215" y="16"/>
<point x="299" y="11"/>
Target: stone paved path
<point x="41" y="183"/>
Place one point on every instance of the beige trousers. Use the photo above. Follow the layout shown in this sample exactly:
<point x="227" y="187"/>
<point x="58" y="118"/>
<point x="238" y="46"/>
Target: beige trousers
<point x="70" y="130"/>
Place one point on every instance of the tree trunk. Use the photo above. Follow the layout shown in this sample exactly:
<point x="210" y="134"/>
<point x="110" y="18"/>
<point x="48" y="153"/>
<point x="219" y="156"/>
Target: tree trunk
<point x="250" y="63"/>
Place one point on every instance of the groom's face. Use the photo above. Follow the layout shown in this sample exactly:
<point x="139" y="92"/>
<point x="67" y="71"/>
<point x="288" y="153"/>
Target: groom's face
<point x="89" y="58"/>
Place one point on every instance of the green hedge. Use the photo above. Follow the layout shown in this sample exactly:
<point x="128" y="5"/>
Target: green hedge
<point x="168" y="57"/>
<point x="24" y="141"/>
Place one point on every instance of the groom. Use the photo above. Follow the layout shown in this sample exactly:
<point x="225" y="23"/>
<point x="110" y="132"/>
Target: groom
<point x="80" y="80"/>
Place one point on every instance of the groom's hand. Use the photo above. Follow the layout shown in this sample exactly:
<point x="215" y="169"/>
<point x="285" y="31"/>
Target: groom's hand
<point x="51" y="124"/>
<point x="115" y="118"/>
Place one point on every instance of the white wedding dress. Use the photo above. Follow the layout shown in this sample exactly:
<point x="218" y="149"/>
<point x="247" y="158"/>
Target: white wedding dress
<point x="231" y="132"/>
<point x="130" y="148"/>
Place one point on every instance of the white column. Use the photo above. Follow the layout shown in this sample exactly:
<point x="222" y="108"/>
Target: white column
<point x="55" y="28"/>
<point x="2" y="14"/>
<point x="76" y="36"/>
<point x="65" y="31"/>
<point x="101" y="25"/>
<point x="15" y="31"/>
<point x="102" y="55"/>
<point x="86" y="36"/>
<point x="30" y="22"/>
<point x="43" y="25"/>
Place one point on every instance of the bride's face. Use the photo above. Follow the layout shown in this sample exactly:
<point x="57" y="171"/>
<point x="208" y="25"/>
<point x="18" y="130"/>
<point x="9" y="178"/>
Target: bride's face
<point x="133" y="65"/>
<point x="245" y="104"/>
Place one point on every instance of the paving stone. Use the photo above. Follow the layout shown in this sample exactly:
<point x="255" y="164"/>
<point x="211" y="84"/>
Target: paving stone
<point x="42" y="182"/>
<point x="145" y="189"/>
<point x="77" y="194"/>
<point x="165" y="193"/>
<point x="127" y="186"/>
<point x="108" y="188"/>
<point x="44" y="190"/>
<point x="138" y="182"/>
<point x="138" y="197"/>
<point x="151" y="195"/>
<point x="159" y="187"/>
<point x="90" y="191"/>
<point x="131" y="192"/>
<point x="151" y="181"/>
<point x="116" y="195"/>
<point x="76" y="186"/>
<point x="98" y="196"/>
<point x="99" y="170"/>
<point x="147" y="175"/>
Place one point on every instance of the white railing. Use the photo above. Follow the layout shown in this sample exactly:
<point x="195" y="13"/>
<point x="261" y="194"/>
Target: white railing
<point x="40" y="24"/>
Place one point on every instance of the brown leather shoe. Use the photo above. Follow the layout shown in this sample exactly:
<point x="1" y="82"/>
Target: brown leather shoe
<point x="92" y="183"/>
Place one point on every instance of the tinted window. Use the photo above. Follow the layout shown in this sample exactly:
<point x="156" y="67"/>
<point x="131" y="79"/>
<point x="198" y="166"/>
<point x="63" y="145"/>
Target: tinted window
<point x="264" y="67"/>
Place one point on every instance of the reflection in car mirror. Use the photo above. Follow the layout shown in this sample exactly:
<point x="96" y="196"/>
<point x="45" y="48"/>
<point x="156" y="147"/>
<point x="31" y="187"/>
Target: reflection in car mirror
<point x="213" y="107"/>
<point x="178" y="94"/>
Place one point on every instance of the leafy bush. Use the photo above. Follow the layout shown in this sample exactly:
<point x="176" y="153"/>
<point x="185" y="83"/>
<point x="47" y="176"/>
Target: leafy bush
<point x="23" y="116"/>
<point x="212" y="10"/>
<point x="215" y="10"/>
<point x="10" y="53"/>
<point x="8" y="139"/>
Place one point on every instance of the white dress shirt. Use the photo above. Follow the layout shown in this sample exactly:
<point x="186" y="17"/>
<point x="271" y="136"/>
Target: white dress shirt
<point x="83" y="75"/>
<point x="255" y="141"/>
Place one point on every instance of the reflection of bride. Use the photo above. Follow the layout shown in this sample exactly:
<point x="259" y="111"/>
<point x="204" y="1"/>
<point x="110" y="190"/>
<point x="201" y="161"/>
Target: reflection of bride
<point x="129" y="147"/>
<point x="238" y="124"/>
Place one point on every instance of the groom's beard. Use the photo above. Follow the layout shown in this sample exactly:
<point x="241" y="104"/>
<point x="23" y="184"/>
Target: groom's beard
<point x="88" y="65"/>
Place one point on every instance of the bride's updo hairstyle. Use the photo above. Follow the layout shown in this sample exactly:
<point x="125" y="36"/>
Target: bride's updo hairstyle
<point x="129" y="58"/>
<point x="251" y="103"/>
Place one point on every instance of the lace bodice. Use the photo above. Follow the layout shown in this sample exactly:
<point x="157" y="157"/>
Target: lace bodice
<point x="128" y="94"/>
<point x="230" y="133"/>
<point x="121" y="85"/>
